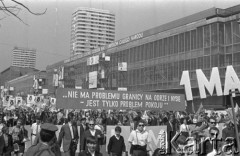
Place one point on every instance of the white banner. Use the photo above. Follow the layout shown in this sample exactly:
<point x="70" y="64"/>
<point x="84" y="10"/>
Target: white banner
<point x="93" y="79"/>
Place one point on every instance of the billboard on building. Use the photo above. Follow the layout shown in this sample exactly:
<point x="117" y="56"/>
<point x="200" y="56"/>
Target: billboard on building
<point x="122" y="66"/>
<point x="106" y="99"/>
<point x="93" y="79"/>
<point x="93" y="60"/>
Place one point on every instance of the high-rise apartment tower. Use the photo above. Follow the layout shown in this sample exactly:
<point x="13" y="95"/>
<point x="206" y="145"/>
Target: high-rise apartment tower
<point x="91" y="28"/>
<point x="24" y="57"/>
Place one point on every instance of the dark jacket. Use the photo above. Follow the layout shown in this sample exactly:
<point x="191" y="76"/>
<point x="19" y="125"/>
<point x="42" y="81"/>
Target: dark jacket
<point x="112" y="121"/>
<point x="3" y="147"/>
<point x="82" y="130"/>
<point x="65" y="136"/>
<point x="86" y="153"/>
<point x="87" y="134"/>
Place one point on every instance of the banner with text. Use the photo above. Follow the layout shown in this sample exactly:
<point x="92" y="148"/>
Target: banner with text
<point x="103" y="99"/>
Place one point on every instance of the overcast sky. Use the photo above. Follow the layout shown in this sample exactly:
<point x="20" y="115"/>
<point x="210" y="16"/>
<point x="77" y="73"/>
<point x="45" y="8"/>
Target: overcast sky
<point x="49" y="34"/>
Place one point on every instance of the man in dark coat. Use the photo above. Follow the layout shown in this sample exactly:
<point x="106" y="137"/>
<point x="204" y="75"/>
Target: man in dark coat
<point x="6" y="142"/>
<point x="111" y="120"/>
<point x="91" y="132"/>
<point x="83" y="127"/>
<point x="69" y="136"/>
<point x="91" y="147"/>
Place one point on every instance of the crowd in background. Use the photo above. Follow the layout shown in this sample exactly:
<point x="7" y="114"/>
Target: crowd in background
<point x="175" y="121"/>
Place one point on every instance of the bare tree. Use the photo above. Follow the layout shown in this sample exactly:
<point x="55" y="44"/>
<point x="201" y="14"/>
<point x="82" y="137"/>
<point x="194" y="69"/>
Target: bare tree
<point x="14" y="7"/>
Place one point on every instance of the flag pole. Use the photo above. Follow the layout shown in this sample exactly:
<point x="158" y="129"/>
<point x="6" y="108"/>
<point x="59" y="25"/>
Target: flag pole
<point x="234" y="119"/>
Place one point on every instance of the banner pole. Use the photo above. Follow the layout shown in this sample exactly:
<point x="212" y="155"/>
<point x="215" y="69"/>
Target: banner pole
<point x="235" y="123"/>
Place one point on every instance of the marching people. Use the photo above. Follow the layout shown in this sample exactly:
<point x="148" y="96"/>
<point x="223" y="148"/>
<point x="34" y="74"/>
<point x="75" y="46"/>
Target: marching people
<point x="35" y="129"/>
<point x="69" y="137"/>
<point x="91" y="150"/>
<point x="116" y="145"/>
<point x="47" y="146"/>
<point x="91" y="132"/>
<point x="140" y="141"/>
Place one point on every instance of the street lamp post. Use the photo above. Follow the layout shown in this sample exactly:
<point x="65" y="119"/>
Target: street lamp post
<point x="234" y="119"/>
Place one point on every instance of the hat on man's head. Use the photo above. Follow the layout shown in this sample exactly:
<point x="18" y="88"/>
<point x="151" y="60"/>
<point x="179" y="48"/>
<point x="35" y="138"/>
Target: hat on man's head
<point x="49" y="127"/>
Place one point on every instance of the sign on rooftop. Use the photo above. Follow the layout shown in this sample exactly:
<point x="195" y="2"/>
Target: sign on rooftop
<point x="105" y="99"/>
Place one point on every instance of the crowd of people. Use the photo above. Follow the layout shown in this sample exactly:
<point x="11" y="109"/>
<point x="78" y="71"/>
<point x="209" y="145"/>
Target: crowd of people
<point x="93" y="123"/>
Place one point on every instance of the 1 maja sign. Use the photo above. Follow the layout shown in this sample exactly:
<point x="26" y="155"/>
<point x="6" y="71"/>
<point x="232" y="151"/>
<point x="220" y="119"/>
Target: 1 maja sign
<point x="231" y="83"/>
<point x="103" y="99"/>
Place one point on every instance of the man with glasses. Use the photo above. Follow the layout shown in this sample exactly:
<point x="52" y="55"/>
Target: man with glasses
<point x="211" y="145"/>
<point x="211" y="123"/>
<point x="91" y="132"/>
<point x="139" y="140"/>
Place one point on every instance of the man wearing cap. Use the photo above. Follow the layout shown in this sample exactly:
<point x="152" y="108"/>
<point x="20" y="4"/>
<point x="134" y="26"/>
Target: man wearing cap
<point x="47" y="146"/>
<point x="35" y="129"/>
<point x="69" y="136"/>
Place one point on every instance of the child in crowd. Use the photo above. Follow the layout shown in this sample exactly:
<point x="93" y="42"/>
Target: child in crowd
<point x="116" y="145"/>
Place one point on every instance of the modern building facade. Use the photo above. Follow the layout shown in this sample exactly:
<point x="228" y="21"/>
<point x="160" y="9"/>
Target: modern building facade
<point x="153" y="60"/>
<point x="24" y="57"/>
<point x="91" y="28"/>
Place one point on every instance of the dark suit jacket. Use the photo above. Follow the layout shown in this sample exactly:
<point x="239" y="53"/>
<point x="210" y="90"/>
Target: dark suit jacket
<point x="65" y="135"/>
<point x="87" y="134"/>
<point x="152" y="121"/>
<point x="82" y="130"/>
<point x="112" y="121"/>
<point x="86" y="153"/>
<point x="4" y="148"/>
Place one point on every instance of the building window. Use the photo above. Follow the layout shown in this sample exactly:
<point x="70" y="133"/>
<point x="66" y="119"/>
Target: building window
<point x="181" y="42"/>
<point x="193" y="39"/>
<point x="200" y="37"/>
<point x="187" y="41"/>
<point x="228" y="33"/>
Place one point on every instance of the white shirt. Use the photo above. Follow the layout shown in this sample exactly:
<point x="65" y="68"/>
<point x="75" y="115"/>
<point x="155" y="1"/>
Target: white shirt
<point x="92" y="132"/>
<point x="139" y="138"/>
<point x="117" y="137"/>
<point x="92" y="154"/>
<point x="97" y="127"/>
<point x="35" y="128"/>
<point x="71" y="129"/>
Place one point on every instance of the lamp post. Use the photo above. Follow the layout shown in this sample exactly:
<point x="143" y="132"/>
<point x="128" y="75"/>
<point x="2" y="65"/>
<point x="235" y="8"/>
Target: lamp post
<point x="234" y="119"/>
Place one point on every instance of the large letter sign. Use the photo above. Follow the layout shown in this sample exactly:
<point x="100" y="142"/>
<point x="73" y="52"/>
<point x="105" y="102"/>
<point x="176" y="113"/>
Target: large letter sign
<point x="185" y="80"/>
<point x="204" y="83"/>
<point x="231" y="82"/>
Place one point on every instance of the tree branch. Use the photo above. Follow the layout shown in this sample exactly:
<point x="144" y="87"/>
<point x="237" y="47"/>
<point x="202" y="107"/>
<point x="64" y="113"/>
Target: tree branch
<point x="15" y="9"/>
<point x="28" y="8"/>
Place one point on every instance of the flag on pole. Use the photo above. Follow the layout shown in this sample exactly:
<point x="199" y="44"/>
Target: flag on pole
<point x="200" y="109"/>
<point x="193" y="108"/>
<point x="236" y="109"/>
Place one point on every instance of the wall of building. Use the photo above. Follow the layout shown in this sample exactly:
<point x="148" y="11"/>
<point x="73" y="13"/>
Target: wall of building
<point x="14" y="72"/>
